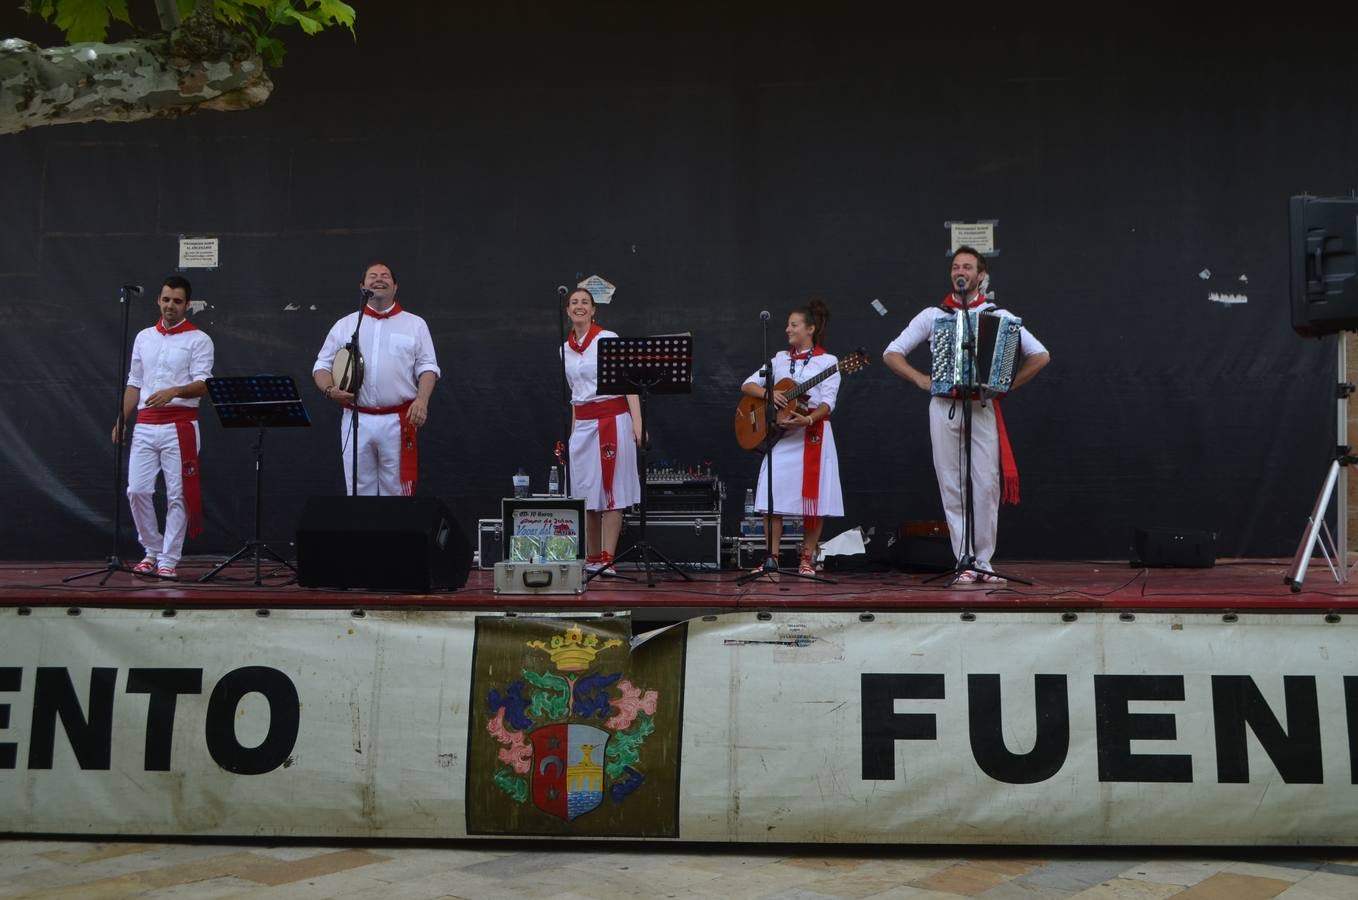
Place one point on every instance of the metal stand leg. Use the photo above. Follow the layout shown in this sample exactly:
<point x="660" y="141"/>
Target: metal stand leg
<point x="1318" y="534"/>
<point x="1335" y="487"/>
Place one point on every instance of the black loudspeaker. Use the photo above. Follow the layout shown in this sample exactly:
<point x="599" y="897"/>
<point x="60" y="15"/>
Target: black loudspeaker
<point x="407" y="544"/>
<point x="1177" y="548"/>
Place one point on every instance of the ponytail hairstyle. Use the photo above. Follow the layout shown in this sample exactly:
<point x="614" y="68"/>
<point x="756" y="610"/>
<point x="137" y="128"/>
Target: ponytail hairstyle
<point x="816" y="314"/>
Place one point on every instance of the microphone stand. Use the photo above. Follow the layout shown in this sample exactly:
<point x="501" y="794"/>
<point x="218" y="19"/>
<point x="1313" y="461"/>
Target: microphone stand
<point x="364" y="295"/>
<point x="562" y="292"/>
<point x="113" y="562"/>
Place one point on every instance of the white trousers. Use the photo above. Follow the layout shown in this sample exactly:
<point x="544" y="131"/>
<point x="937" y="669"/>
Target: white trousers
<point x="379" y="454"/>
<point x="945" y="433"/>
<point x="155" y="451"/>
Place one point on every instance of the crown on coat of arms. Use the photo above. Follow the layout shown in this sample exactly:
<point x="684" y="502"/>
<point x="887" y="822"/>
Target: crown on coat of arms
<point x="574" y="650"/>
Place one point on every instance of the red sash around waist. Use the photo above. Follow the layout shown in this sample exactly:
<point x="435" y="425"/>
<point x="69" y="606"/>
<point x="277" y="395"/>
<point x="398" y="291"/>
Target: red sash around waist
<point x="601" y="409"/>
<point x="182" y="417"/>
<point x="164" y="415"/>
<point x="811" y="454"/>
<point x="606" y="412"/>
<point x="409" y="451"/>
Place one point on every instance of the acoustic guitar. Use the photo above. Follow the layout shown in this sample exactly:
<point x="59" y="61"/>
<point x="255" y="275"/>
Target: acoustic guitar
<point x="751" y="429"/>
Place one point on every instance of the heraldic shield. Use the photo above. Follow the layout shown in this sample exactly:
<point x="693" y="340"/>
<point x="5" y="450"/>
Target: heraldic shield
<point x="568" y="780"/>
<point x="572" y="730"/>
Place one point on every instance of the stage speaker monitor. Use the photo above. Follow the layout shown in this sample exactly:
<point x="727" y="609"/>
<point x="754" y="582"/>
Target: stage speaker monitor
<point x="1323" y="233"/>
<point x="406" y="544"/>
<point x="1178" y="548"/>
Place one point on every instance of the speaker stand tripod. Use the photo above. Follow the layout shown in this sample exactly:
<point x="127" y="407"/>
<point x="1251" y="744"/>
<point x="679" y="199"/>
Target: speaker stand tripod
<point x="1335" y="486"/>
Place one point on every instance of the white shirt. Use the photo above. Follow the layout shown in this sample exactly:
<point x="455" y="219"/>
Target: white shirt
<point x="162" y="361"/>
<point x="582" y="370"/>
<point x="396" y="352"/>
<point x="826" y="392"/>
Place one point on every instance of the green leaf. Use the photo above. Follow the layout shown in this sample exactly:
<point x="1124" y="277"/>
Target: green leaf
<point x="335" y="12"/>
<point x="231" y="12"/>
<point x="118" y="10"/>
<point x="82" y="20"/>
<point x="271" y="49"/>
<point x="278" y="11"/>
<point x="306" y="21"/>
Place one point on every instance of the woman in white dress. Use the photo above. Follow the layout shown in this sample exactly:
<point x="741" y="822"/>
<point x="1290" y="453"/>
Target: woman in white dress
<point x="605" y="432"/>
<point x="805" y="466"/>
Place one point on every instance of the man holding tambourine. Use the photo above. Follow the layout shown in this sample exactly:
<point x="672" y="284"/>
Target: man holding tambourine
<point x="388" y="383"/>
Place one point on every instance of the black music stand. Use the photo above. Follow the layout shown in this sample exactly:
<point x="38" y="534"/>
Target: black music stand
<point x="256" y="401"/>
<point x="661" y="364"/>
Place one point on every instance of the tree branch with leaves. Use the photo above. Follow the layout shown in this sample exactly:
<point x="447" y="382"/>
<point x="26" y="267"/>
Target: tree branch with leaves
<point x="198" y="54"/>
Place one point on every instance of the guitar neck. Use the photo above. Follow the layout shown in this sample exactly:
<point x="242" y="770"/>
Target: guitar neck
<point x="809" y="383"/>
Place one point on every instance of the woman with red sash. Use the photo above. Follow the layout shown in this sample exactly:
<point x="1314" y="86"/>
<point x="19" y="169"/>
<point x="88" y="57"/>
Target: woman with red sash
<point x="805" y="466"/>
<point x="605" y="432"/>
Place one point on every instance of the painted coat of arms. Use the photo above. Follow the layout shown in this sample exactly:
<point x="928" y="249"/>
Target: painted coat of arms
<point x="571" y="731"/>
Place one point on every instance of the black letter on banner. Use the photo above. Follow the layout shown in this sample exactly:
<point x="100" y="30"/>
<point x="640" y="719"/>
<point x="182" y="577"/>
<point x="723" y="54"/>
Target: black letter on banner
<point x="164" y="686"/>
<point x="883" y="726"/>
<point x="987" y="735"/>
<point x="91" y="739"/>
<point x="11" y="679"/>
<point x="284" y="720"/>
<point x="1236" y="702"/>
<point x="1117" y="728"/>
<point x="1351" y="712"/>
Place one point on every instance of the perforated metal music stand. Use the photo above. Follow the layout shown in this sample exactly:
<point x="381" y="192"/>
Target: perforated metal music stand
<point x="256" y="401"/>
<point x="660" y="364"/>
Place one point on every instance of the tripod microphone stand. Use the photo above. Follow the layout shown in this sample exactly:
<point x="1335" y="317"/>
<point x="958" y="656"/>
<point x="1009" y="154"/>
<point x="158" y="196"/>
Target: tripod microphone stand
<point x="969" y="391"/>
<point x="113" y="562"/>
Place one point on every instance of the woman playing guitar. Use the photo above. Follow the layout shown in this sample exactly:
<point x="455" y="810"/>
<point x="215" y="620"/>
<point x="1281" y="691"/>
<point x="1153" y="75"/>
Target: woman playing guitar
<point x="805" y="467"/>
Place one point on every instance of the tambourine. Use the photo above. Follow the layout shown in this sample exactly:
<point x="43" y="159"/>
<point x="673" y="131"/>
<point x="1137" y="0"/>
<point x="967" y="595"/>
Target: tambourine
<point x="347" y="370"/>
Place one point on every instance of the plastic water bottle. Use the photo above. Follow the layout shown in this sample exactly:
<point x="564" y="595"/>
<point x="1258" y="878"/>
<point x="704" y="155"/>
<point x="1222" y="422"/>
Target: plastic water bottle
<point x="749" y="501"/>
<point x="521" y="483"/>
<point x="554" y="481"/>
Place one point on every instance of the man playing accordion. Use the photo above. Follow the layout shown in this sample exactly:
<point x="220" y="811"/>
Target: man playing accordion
<point x="991" y="454"/>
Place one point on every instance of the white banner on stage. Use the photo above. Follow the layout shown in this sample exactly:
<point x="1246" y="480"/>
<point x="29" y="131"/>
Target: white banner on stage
<point x="818" y="727"/>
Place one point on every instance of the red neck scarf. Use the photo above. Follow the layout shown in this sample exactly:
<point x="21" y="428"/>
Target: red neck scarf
<point x="951" y="301"/>
<point x="181" y="328"/>
<point x="391" y="311"/>
<point x="582" y="346"/>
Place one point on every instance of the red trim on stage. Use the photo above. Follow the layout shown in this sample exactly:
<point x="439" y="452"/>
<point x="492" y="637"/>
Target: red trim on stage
<point x="1253" y="586"/>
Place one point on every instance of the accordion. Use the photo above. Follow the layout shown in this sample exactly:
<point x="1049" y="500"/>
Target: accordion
<point x="997" y="354"/>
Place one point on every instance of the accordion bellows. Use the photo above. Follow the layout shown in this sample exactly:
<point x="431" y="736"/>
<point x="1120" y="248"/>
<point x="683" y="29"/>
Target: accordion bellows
<point x="997" y="338"/>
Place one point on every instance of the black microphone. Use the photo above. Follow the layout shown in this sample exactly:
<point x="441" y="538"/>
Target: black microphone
<point x="763" y="315"/>
<point x="562" y="290"/>
<point x="960" y="282"/>
<point x="132" y="289"/>
<point x="367" y="294"/>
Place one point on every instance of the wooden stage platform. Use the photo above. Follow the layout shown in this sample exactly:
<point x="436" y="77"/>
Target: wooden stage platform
<point x="1080" y="585"/>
